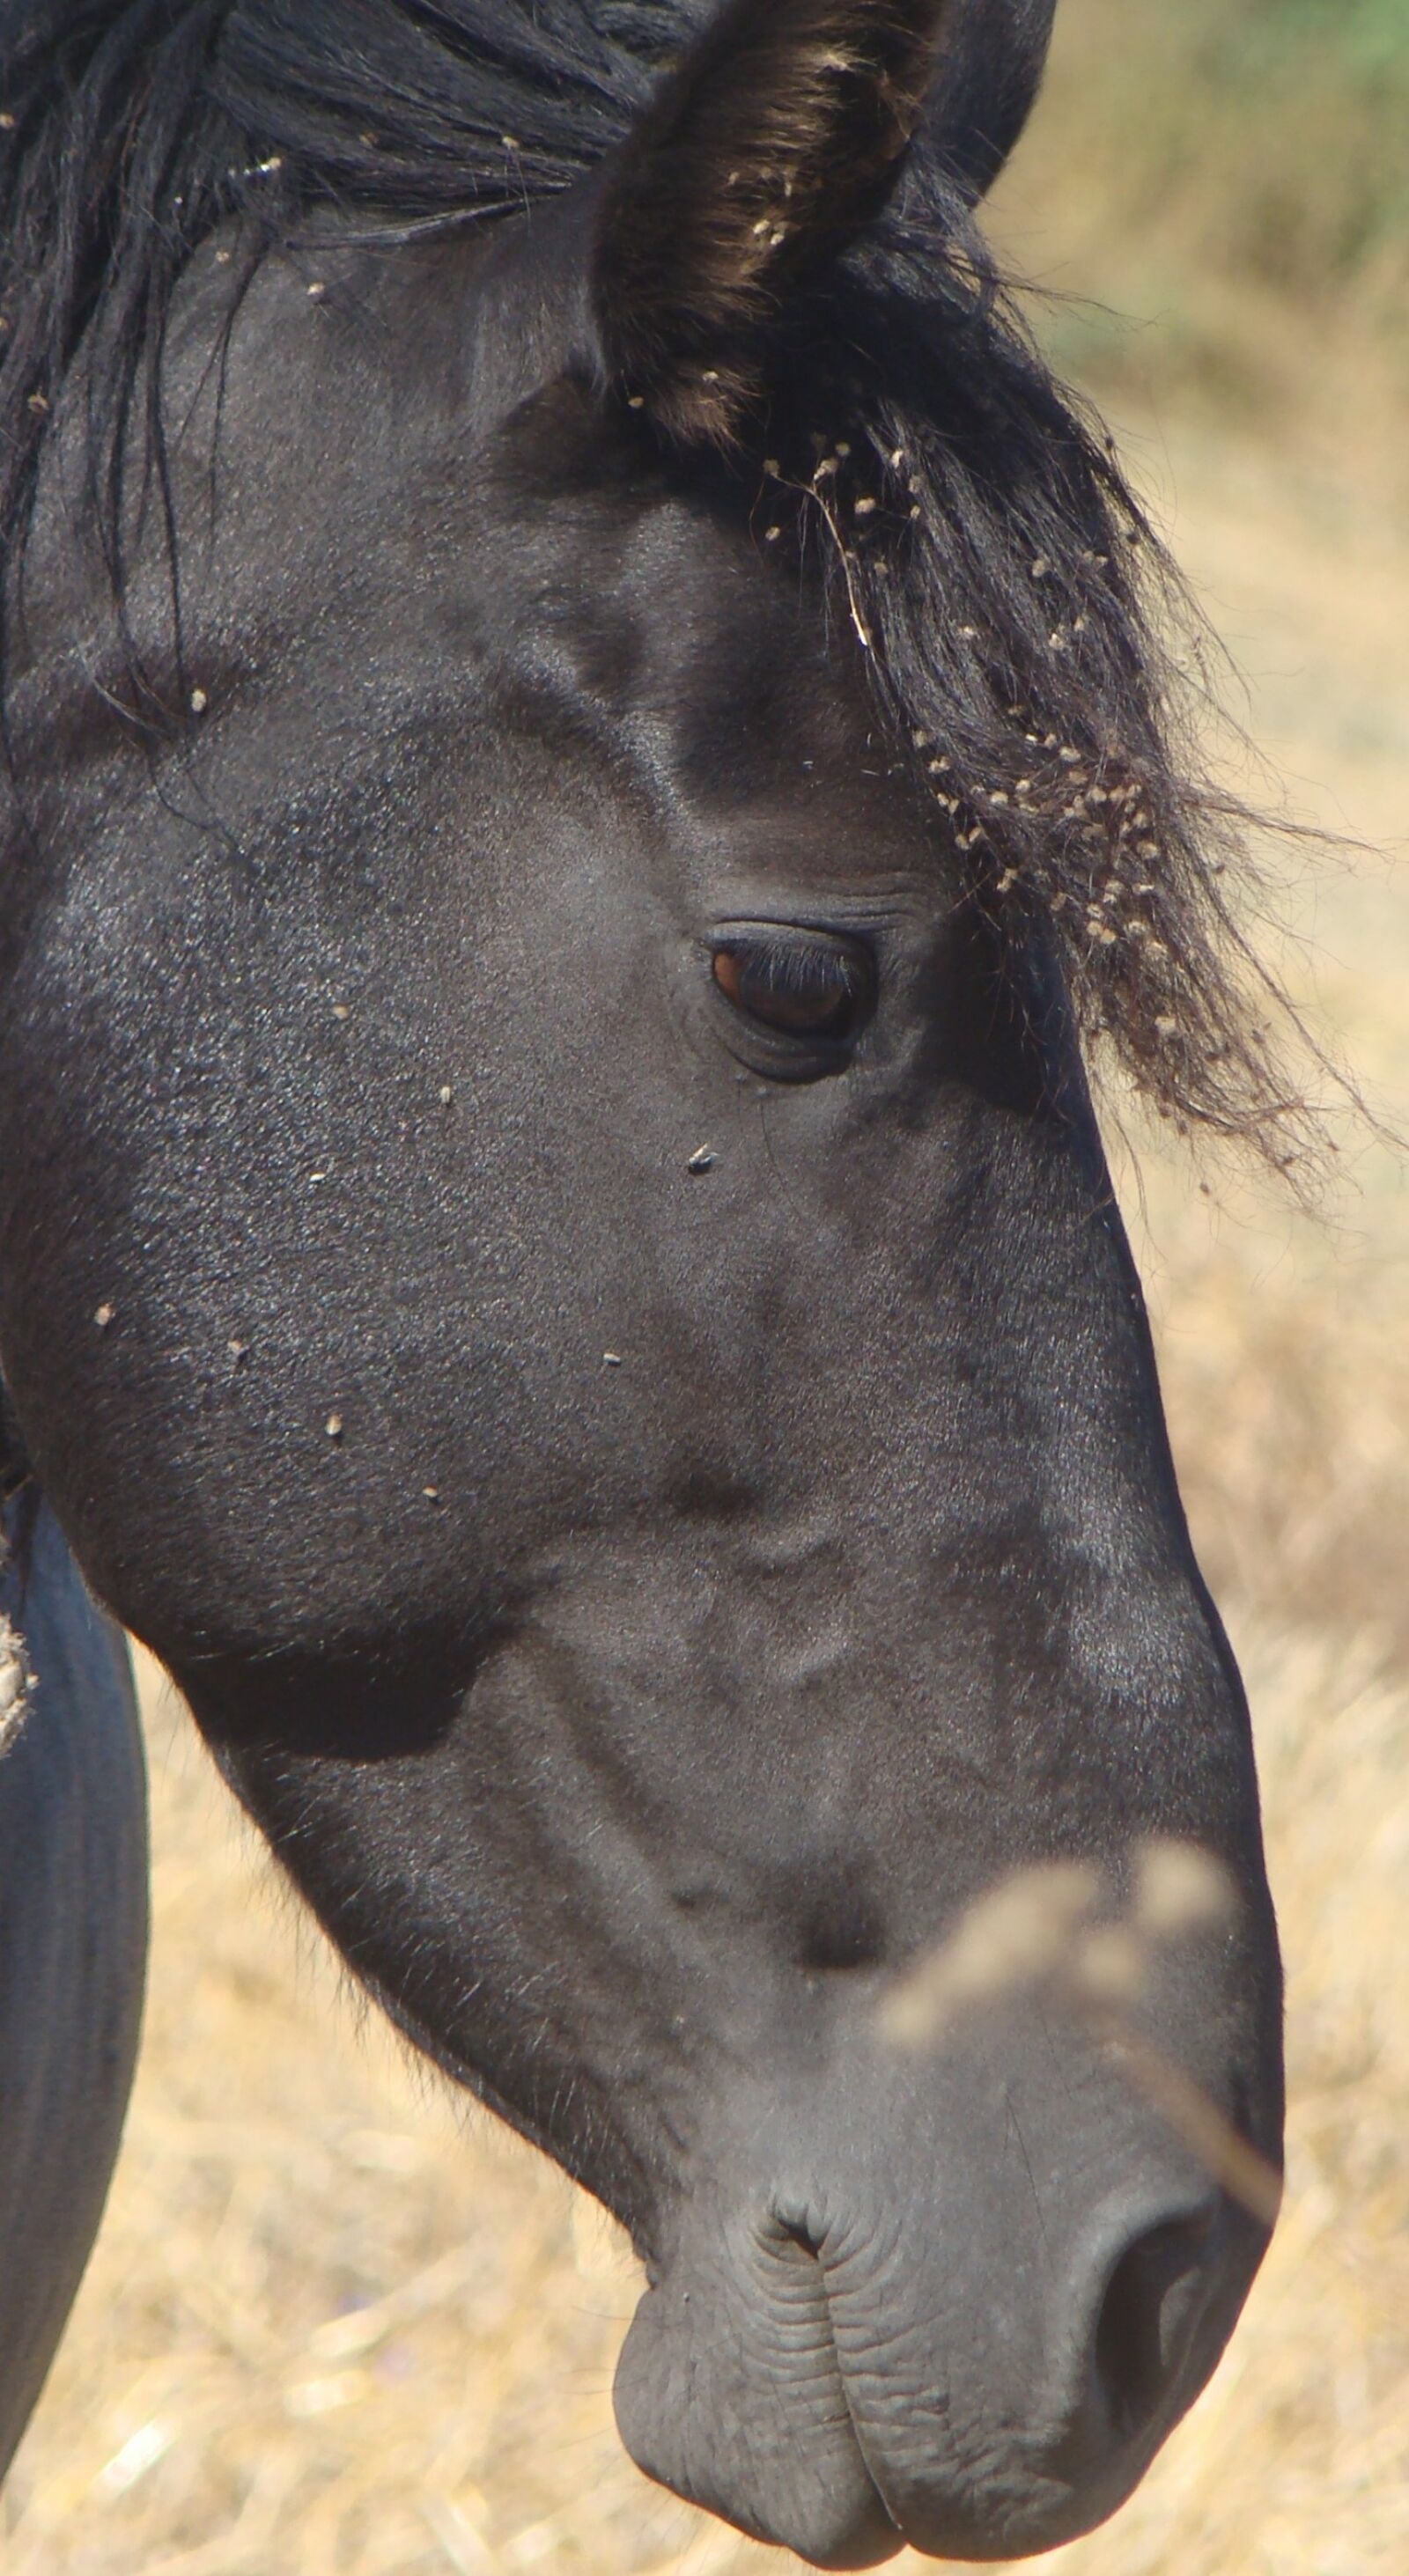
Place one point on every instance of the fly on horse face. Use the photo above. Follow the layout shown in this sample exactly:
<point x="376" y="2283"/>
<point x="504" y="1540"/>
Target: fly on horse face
<point x="586" y="751"/>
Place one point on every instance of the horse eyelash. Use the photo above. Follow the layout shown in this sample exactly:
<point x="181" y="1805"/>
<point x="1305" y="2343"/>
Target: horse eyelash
<point x="798" y="967"/>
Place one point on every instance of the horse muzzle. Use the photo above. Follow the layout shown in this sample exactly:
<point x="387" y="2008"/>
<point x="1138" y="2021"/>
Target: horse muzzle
<point x="964" y="2320"/>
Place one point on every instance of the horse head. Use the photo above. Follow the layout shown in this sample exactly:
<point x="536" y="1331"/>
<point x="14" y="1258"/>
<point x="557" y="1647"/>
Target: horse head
<point x="558" y="1265"/>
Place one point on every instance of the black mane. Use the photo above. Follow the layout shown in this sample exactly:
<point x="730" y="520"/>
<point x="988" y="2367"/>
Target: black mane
<point x="132" y="128"/>
<point x="1001" y="575"/>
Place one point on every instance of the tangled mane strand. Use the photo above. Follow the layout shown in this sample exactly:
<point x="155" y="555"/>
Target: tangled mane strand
<point x="1031" y="637"/>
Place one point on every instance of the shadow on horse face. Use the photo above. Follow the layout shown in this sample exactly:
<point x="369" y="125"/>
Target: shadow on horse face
<point x="623" y="1398"/>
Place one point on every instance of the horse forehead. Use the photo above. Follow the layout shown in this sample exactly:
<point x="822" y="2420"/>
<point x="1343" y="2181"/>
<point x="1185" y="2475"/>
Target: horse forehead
<point x="362" y="426"/>
<point x="365" y="393"/>
<point x="355" y="506"/>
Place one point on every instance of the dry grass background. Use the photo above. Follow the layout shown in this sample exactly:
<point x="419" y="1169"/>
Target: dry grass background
<point x="334" y="2328"/>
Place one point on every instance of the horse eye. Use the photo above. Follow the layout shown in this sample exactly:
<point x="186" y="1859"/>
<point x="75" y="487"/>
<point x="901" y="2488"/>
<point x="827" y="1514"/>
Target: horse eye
<point x="801" y="987"/>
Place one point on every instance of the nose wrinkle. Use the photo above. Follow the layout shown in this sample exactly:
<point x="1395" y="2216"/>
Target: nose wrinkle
<point x="796" y="2290"/>
<point x="840" y="2255"/>
<point x="797" y="2241"/>
<point x="731" y="2391"/>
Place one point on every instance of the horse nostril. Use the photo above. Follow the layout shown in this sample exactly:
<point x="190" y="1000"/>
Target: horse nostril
<point x="1152" y="2300"/>
<point x="829" y="1916"/>
<point x="840" y="1935"/>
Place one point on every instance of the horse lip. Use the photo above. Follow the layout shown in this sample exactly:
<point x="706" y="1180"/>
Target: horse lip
<point x="877" y="2510"/>
<point x="819" y="2498"/>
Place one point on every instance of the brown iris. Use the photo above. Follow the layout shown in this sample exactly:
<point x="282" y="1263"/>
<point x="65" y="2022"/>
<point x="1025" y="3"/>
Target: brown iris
<point x="803" y="987"/>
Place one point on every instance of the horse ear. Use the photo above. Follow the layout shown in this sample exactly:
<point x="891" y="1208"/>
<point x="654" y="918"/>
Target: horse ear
<point x="992" y="57"/>
<point x="770" y="146"/>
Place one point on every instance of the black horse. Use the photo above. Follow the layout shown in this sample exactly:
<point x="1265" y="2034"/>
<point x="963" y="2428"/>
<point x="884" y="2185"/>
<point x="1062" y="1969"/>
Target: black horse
<point x="582" y="749"/>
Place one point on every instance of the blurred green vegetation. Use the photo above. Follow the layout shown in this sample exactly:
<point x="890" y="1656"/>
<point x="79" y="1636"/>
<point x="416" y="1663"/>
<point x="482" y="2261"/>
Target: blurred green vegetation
<point x="1310" y="100"/>
<point x="1236" y="171"/>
